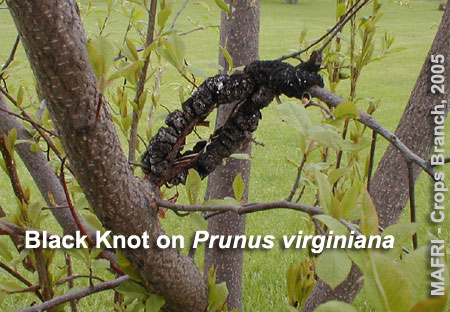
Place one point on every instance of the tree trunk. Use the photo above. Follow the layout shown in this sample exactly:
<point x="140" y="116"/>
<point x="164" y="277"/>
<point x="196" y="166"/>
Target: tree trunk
<point x="239" y="35"/>
<point x="54" y="40"/>
<point x="389" y="186"/>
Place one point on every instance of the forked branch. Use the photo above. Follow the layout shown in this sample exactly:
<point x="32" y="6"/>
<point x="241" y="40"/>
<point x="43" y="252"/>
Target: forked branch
<point x="334" y="100"/>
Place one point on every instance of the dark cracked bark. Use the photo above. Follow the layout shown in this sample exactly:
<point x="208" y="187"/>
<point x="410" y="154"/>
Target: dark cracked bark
<point x="239" y="35"/>
<point x="54" y="40"/>
<point x="389" y="186"/>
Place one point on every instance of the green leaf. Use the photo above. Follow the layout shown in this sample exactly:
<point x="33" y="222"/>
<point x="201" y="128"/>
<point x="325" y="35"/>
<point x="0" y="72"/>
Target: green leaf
<point x="295" y="115"/>
<point x="93" y="222"/>
<point x="35" y="210"/>
<point x="335" y="306"/>
<point x="337" y="227"/>
<point x="228" y="58"/>
<point x="126" y="266"/>
<point x="35" y="148"/>
<point x="5" y="250"/>
<point x="11" y="284"/>
<point x="345" y="110"/>
<point x="3" y="165"/>
<point x="336" y="174"/>
<point x="350" y="201"/>
<point x="341" y="9"/>
<point x="324" y="191"/>
<point x="359" y="257"/>
<point x="11" y="141"/>
<point x="217" y="296"/>
<point x="101" y="264"/>
<point x="132" y="48"/>
<point x="238" y="187"/>
<point x="291" y="280"/>
<point x="223" y="6"/>
<point x="126" y="123"/>
<point x="154" y="303"/>
<point x="110" y="4"/>
<point x="416" y="265"/>
<point x="369" y="217"/>
<point x="175" y="46"/>
<point x="402" y="233"/>
<point x="197" y="71"/>
<point x="132" y="289"/>
<point x="19" y="98"/>
<point x="101" y="55"/>
<point x="333" y="266"/>
<point x="198" y="222"/>
<point x="241" y="156"/>
<point x="324" y="134"/>
<point x="435" y="304"/>
<point x="386" y="285"/>
<point x="193" y="185"/>
<point x="163" y="15"/>
<point x="126" y="70"/>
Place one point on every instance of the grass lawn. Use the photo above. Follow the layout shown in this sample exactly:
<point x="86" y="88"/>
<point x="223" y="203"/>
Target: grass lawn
<point x="390" y="80"/>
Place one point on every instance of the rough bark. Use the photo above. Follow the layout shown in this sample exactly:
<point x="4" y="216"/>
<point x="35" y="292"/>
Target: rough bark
<point x="54" y="41"/>
<point x="239" y="35"/>
<point x="389" y="186"/>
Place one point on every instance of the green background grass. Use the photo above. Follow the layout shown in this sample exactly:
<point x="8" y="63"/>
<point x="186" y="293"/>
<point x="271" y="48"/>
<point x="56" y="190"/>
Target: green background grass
<point x="390" y="80"/>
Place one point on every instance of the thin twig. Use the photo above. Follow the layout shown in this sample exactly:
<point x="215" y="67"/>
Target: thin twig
<point x="371" y="158"/>
<point x="55" y="207"/>
<point x="297" y="179"/>
<point x="20" y="278"/>
<point x="11" y="167"/>
<point x="73" y="303"/>
<point x="244" y="209"/>
<point x="334" y="100"/>
<point x="197" y="29"/>
<point x="20" y="291"/>
<point x="11" y="57"/>
<point x="321" y="107"/>
<point x="340" y="152"/>
<point x="179" y="13"/>
<point x="31" y="121"/>
<point x="141" y="82"/>
<point x="76" y="295"/>
<point x="44" y="279"/>
<point x="78" y="221"/>
<point x="41" y="130"/>
<point x="334" y="30"/>
<point x="343" y="22"/>
<point x="412" y="199"/>
<point x="73" y="277"/>
<point x="134" y="163"/>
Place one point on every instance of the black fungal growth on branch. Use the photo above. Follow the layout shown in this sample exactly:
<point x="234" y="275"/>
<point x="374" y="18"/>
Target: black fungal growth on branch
<point x="248" y="92"/>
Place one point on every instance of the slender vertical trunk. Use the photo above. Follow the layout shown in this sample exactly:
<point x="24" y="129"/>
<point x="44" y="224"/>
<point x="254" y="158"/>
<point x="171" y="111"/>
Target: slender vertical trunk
<point x="239" y="35"/>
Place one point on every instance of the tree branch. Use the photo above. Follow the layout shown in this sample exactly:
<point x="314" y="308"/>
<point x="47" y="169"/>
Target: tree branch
<point x="297" y="179"/>
<point x="19" y="277"/>
<point x="331" y="33"/>
<point x="244" y="209"/>
<point x="76" y="295"/>
<point x="334" y="100"/>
